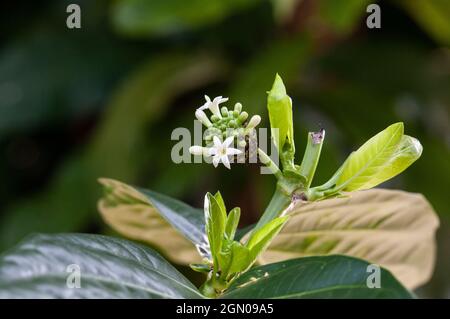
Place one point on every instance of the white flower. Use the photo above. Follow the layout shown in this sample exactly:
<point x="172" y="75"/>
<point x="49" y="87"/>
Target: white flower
<point x="213" y="105"/>
<point x="220" y="151"/>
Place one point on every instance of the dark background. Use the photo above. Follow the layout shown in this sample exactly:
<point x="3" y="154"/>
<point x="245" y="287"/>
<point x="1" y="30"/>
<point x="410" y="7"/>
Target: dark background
<point x="78" y="104"/>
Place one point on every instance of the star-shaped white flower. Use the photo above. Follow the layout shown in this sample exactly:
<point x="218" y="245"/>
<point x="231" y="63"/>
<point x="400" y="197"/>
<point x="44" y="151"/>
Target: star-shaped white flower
<point x="213" y="105"/>
<point x="220" y="151"/>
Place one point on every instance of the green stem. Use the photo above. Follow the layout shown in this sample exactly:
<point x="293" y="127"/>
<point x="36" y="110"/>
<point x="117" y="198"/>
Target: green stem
<point x="312" y="155"/>
<point x="267" y="161"/>
<point x="280" y="200"/>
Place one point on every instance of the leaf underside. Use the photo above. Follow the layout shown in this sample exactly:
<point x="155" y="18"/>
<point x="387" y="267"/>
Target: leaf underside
<point x="392" y="228"/>
<point x="154" y="218"/>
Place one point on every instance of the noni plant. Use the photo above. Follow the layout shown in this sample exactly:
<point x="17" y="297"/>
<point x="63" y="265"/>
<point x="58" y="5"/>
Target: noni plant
<point x="312" y="241"/>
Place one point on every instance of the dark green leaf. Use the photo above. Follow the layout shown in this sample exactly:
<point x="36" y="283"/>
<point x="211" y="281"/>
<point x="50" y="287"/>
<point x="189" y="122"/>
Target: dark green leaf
<point x="109" y="268"/>
<point x="315" y="277"/>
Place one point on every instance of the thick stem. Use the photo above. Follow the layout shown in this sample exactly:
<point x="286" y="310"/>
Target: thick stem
<point x="312" y="155"/>
<point x="280" y="200"/>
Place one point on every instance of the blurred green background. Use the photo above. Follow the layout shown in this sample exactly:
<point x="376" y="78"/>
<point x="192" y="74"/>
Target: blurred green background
<point x="78" y="104"/>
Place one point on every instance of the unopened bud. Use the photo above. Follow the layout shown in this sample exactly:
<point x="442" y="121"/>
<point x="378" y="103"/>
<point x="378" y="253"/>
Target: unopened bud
<point x="196" y="150"/>
<point x="254" y="121"/>
<point x="224" y="111"/>
<point x="243" y="117"/>
<point x="201" y="116"/>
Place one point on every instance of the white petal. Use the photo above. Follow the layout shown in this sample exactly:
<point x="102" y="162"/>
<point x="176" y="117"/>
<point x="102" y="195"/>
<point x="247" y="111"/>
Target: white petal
<point x="208" y="100"/>
<point x="228" y="141"/>
<point x="217" y="142"/>
<point x="216" y="160"/>
<point x="223" y="100"/>
<point x="212" y="151"/>
<point x="196" y="150"/>
<point x="225" y="161"/>
<point x="233" y="151"/>
<point x="214" y="108"/>
<point x="203" y="107"/>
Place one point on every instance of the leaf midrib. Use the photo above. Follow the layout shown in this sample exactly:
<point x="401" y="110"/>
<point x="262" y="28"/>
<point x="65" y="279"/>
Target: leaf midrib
<point x="135" y="262"/>
<point x="370" y="161"/>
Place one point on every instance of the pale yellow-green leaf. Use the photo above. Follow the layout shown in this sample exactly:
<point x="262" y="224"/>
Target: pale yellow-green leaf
<point x="408" y="151"/>
<point x="370" y="158"/>
<point x="132" y="215"/>
<point x="392" y="228"/>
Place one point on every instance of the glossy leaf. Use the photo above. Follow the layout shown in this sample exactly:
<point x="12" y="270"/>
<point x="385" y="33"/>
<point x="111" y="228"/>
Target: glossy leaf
<point x="362" y="165"/>
<point x="240" y="258"/>
<point x="392" y="228"/>
<point x="215" y="219"/>
<point x="232" y="223"/>
<point x="153" y="218"/>
<point x="41" y="266"/>
<point x="408" y="151"/>
<point x="314" y="277"/>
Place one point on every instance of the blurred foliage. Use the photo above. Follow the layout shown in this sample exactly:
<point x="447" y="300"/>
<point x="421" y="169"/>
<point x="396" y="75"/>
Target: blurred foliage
<point x="103" y="100"/>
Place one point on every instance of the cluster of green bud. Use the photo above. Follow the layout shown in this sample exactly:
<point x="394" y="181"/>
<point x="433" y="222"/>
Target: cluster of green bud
<point x="231" y="123"/>
<point x="224" y="124"/>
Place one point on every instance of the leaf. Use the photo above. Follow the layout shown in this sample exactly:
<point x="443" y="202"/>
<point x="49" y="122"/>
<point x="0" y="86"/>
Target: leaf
<point x="279" y="105"/>
<point x="109" y="268"/>
<point x="240" y="258"/>
<point x="215" y="219"/>
<point x="369" y="159"/>
<point x="144" y="18"/>
<point x="261" y="238"/>
<point x="314" y="277"/>
<point x="221" y="203"/>
<point x="408" y="151"/>
<point x="392" y="228"/>
<point x="153" y="218"/>
<point x="232" y="223"/>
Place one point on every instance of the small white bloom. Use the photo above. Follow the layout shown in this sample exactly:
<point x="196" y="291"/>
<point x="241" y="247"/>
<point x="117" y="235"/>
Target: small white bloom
<point x="220" y="151"/>
<point x="213" y="105"/>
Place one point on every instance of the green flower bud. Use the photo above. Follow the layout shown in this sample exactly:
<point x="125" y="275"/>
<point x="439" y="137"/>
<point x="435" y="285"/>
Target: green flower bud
<point x="243" y="117"/>
<point x="238" y="107"/>
<point x="224" y="111"/>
